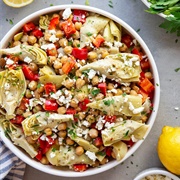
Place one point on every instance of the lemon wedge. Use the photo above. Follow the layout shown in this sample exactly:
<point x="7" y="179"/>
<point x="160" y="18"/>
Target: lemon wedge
<point x="17" y="3"/>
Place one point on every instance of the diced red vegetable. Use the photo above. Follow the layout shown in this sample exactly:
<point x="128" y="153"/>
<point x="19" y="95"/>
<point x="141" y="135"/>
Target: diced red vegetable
<point x="68" y="27"/>
<point x="146" y="85"/>
<point x="144" y="94"/>
<point x="98" y="142"/>
<point x="53" y="23"/>
<point x="129" y="143"/>
<point x="28" y="27"/>
<point x="79" y="16"/>
<point x="127" y="40"/>
<point x="71" y="111"/>
<point x="50" y="105"/>
<point x="83" y="104"/>
<point x="52" y="52"/>
<point x="39" y="155"/>
<point x="17" y="120"/>
<point x="29" y="74"/>
<point x="68" y="65"/>
<point x="103" y="88"/>
<point x="37" y="33"/>
<point x="98" y="41"/>
<point x="145" y="65"/>
<point x="108" y="151"/>
<point x="110" y="119"/>
<point x="137" y="52"/>
<point x="49" y="88"/>
<point x="80" y="167"/>
<point x="80" y="53"/>
<point x="24" y="103"/>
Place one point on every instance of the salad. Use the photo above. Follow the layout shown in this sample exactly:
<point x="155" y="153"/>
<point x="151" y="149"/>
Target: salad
<point x="76" y="90"/>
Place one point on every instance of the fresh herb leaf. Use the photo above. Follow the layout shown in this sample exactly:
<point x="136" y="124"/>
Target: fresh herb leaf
<point x="11" y="21"/>
<point x="89" y="34"/>
<point x="110" y="4"/>
<point x="94" y="92"/>
<point x="87" y="3"/>
<point x="108" y="102"/>
<point x="101" y="153"/>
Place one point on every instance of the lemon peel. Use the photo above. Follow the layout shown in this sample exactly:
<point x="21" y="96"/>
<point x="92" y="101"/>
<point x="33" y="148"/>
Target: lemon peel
<point x="17" y="3"/>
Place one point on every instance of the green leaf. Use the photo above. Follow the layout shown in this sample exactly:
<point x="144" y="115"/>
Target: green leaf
<point x="94" y="92"/>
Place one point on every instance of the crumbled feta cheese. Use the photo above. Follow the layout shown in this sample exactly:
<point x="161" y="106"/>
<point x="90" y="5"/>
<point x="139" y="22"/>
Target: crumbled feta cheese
<point x="67" y="12"/>
<point x="6" y="86"/>
<point x="56" y="95"/>
<point x="53" y="38"/>
<point x="176" y="108"/>
<point x="118" y="44"/>
<point x="109" y="44"/>
<point x="48" y="46"/>
<point x="109" y="125"/>
<point x="52" y="154"/>
<point x="52" y="31"/>
<point x="135" y="110"/>
<point x="134" y="139"/>
<point x="9" y="61"/>
<point x="43" y="137"/>
<point x="91" y="74"/>
<point x="100" y="123"/>
<point x="91" y="155"/>
<point x="27" y="60"/>
<point x="86" y="123"/>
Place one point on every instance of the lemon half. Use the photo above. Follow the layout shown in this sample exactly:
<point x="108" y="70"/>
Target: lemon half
<point x="17" y="3"/>
<point x="169" y="148"/>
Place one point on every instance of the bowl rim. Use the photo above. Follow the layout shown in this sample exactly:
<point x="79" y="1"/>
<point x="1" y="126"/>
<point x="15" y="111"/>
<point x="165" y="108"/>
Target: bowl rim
<point x="156" y="170"/>
<point x="64" y="173"/>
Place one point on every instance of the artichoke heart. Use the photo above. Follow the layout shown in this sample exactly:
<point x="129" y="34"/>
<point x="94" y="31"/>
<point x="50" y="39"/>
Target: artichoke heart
<point x="36" y="54"/>
<point x="13" y="87"/>
<point x="93" y="25"/>
<point x="122" y="130"/>
<point x="44" y="22"/>
<point x="128" y="105"/>
<point x="16" y="135"/>
<point x="34" y="124"/>
<point x="122" y="67"/>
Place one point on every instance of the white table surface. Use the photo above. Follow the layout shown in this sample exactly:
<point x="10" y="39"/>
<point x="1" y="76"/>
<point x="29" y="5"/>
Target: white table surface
<point x="166" y="52"/>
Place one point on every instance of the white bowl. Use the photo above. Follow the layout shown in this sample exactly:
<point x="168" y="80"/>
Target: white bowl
<point x="155" y="171"/>
<point x="65" y="172"/>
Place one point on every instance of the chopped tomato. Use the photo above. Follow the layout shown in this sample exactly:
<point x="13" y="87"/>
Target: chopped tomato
<point x="110" y="119"/>
<point x="17" y="120"/>
<point x="98" y="41"/>
<point x="98" y="142"/>
<point x="68" y="65"/>
<point x="39" y="155"/>
<point x="71" y="111"/>
<point x="127" y="40"/>
<point x="53" y="23"/>
<point x="145" y="65"/>
<point x="79" y="16"/>
<point x="49" y="88"/>
<point x="68" y="27"/>
<point x="80" y="53"/>
<point x="129" y="143"/>
<point x="80" y="167"/>
<point x="52" y="52"/>
<point x="50" y="105"/>
<point x="29" y="74"/>
<point x="146" y="85"/>
<point x="108" y="151"/>
<point x="83" y="104"/>
<point x="144" y="94"/>
<point x="137" y="52"/>
<point x="103" y="88"/>
<point x="28" y="27"/>
<point x="37" y="33"/>
<point x="24" y="103"/>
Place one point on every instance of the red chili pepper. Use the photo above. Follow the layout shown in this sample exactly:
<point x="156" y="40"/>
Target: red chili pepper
<point x="29" y="74"/>
<point x="146" y="85"/>
<point x="17" y="120"/>
<point x="53" y="23"/>
<point x="145" y="65"/>
<point x="108" y="151"/>
<point x="110" y="119"/>
<point x="102" y="87"/>
<point x="80" y="53"/>
<point x="49" y="88"/>
<point x="39" y="155"/>
<point x="127" y="40"/>
<point x="24" y="103"/>
<point x="98" y="40"/>
<point x="79" y="16"/>
<point x="80" y="167"/>
<point x="28" y="27"/>
<point x="83" y="104"/>
<point x="50" y="105"/>
<point x="98" y="142"/>
<point x="68" y="27"/>
<point x="37" y="33"/>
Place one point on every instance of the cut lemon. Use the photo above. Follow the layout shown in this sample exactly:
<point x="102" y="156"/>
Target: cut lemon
<point x="17" y="3"/>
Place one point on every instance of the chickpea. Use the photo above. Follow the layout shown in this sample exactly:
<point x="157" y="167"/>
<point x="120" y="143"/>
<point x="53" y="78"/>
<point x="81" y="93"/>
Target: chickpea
<point x="59" y="34"/>
<point x="79" y="83"/>
<point x="40" y="89"/>
<point x="2" y="62"/>
<point x="126" y="89"/>
<point x="69" y="141"/>
<point x="47" y="36"/>
<point x="64" y="59"/>
<point x="44" y="160"/>
<point x="32" y="85"/>
<point x="76" y="43"/>
<point x="95" y="112"/>
<point x="78" y="109"/>
<point x="104" y="53"/>
<point x="119" y="92"/>
<point x="37" y="108"/>
<point x="63" y="42"/>
<point x="81" y="115"/>
<point x="78" y="73"/>
<point x="16" y="43"/>
<point x="110" y="86"/>
<point x="104" y="161"/>
<point x="78" y="25"/>
<point x="30" y="140"/>
<point x="79" y="150"/>
<point x="96" y="164"/>
<point x="123" y="48"/>
<point x="144" y="118"/>
<point x="76" y="35"/>
<point x="51" y="60"/>
<point x="33" y="66"/>
<point x="148" y="75"/>
<point x="61" y="110"/>
<point x="73" y="103"/>
<point x="25" y="43"/>
<point x="95" y="80"/>
<point x="136" y="88"/>
<point x="90" y="119"/>
<point x="57" y="64"/>
<point x="93" y="133"/>
<point x="69" y="83"/>
<point x="62" y="126"/>
<point x="62" y="134"/>
<point x="19" y="111"/>
<point x="109" y="94"/>
<point x="24" y="38"/>
<point x="133" y="92"/>
<point x="92" y="55"/>
<point x="37" y="95"/>
<point x="36" y="45"/>
<point x="80" y="96"/>
<point x="27" y="114"/>
<point x="32" y="39"/>
<point x="48" y="131"/>
<point x="68" y="50"/>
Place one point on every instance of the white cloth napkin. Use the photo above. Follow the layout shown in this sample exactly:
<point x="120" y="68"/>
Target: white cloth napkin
<point x="11" y="167"/>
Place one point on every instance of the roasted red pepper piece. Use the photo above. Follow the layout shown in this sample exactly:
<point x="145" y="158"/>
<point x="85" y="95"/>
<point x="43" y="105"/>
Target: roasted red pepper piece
<point x="143" y="93"/>
<point x="79" y="16"/>
<point x="98" y="142"/>
<point x="103" y="88"/>
<point x="17" y="120"/>
<point x="68" y="65"/>
<point x="53" y="23"/>
<point x="28" y="27"/>
<point x="52" y="52"/>
<point x="83" y="104"/>
<point x="71" y="111"/>
<point x="137" y="52"/>
<point x="80" y="53"/>
<point x="24" y="103"/>
<point x="49" y="88"/>
<point x="80" y="167"/>
<point x="39" y="155"/>
<point x="127" y="40"/>
<point x="145" y="65"/>
<point x="110" y="119"/>
<point x="37" y="33"/>
<point x="29" y="74"/>
<point x="146" y="85"/>
<point x="108" y="151"/>
<point x="98" y="41"/>
<point x="68" y="27"/>
<point x="50" y="105"/>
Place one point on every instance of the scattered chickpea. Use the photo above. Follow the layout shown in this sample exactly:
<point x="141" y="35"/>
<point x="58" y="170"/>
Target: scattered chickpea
<point x="104" y="161"/>
<point x="51" y="60"/>
<point x="2" y="62"/>
<point x="44" y="160"/>
<point x="99" y="96"/>
<point x="123" y="48"/>
<point x="81" y="115"/>
<point x="68" y="50"/>
<point x="37" y="108"/>
<point x="95" y="80"/>
<point x="90" y="118"/>
<point x="48" y="131"/>
<point x="30" y="140"/>
<point x="69" y="141"/>
<point x="27" y="114"/>
<point x="40" y="89"/>
<point x="78" y="73"/>
<point x="92" y="55"/>
<point x="144" y="118"/>
<point x="62" y="126"/>
<point x="37" y="95"/>
<point x="19" y="111"/>
<point x="62" y="134"/>
<point x="104" y="53"/>
<point x="78" y="109"/>
<point x="133" y="92"/>
<point x="76" y="35"/>
<point x="64" y="59"/>
<point x="136" y="88"/>
<point x="28" y="93"/>
<point x="24" y="38"/>
<point x="119" y="92"/>
<point x="79" y="83"/>
<point x="73" y="103"/>
<point x="57" y="64"/>
<point x="32" y="85"/>
<point x="80" y="96"/>
<point x="55" y="15"/>
<point x="25" y="43"/>
<point x="76" y="43"/>
<point x="110" y="86"/>
<point x="47" y="36"/>
<point x="79" y="150"/>
<point x="63" y="42"/>
<point x="148" y="75"/>
<point x="16" y="43"/>
<point x="32" y="40"/>
<point x="61" y="110"/>
<point x="59" y="34"/>
<point x="36" y="45"/>
<point x="68" y="83"/>
<point x="78" y="25"/>
<point x="93" y="133"/>
<point x="33" y="66"/>
<point x="126" y="89"/>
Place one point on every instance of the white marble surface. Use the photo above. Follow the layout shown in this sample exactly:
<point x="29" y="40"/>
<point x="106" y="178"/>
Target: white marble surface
<point x="167" y="56"/>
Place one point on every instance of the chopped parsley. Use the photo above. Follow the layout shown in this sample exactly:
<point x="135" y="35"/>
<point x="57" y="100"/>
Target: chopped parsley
<point x="124" y="94"/>
<point x="89" y="34"/>
<point x="47" y="114"/>
<point x="87" y="2"/>
<point x="108" y="102"/>
<point x="126" y="134"/>
<point x="54" y="149"/>
<point x="177" y="69"/>
<point x="101" y="153"/>
<point x="51" y="5"/>
<point x="110" y="4"/>
<point x="94" y="92"/>
<point x="72" y="133"/>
